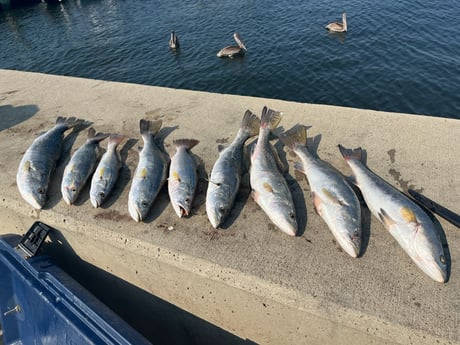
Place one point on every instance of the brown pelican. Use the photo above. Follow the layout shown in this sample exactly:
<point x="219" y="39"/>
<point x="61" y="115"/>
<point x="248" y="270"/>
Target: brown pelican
<point x="232" y="51"/>
<point x="173" y="41"/>
<point x="338" y="27"/>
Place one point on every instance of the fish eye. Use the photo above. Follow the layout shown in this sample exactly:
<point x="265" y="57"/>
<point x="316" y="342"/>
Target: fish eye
<point x="221" y="208"/>
<point x="144" y="204"/>
<point x="356" y="234"/>
<point x="442" y="258"/>
<point x="187" y="200"/>
<point x="102" y="194"/>
<point x="291" y="215"/>
<point x="41" y="191"/>
<point x="74" y="189"/>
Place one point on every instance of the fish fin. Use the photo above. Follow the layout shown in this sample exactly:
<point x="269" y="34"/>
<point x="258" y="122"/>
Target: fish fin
<point x="220" y="148"/>
<point x="408" y="215"/>
<point x="283" y="168"/>
<point x="187" y="143"/>
<point x="148" y="127"/>
<point x="317" y="202"/>
<point x="101" y="173"/>
<point x="71" y="122"/>
<point x="348" y="154"/>
<point x="297" y="135"/>
<point x="142" y="173"/>
<point x="270" y="118"/>
<point x="95" y="137"/>
<point x="386" y="220"/>
<point x="175" y="175"/>
<point x="332" y="197"/>
<point x="255" y="195"/>
<point x="27" y="166"/>
<point x="115" y="139"/>
<point x="268" y="187"/>
<point x="250" y="123"/>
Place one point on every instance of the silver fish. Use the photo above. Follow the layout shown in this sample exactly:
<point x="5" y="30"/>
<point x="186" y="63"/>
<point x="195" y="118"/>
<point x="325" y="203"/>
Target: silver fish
<point x="150" y="173"/>
<point x="226" y="173"/>
<point x="106" y="174"/>
<point x="405" y="220"/>
<point x="39" y="161"/>
<point x="333" y="198"/>
<point x="81" y="166"/>
<point x="182" y="179"/>
<point x="269" y="188"/>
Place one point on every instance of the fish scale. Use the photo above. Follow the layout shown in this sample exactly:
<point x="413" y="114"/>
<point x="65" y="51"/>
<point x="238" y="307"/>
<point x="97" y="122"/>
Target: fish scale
<point x="40" y="159"/>
<point x="182" y="179"/>
<point x="333" y="198"/>
<point x="81" y="166"/>
<point x="411" y="227"/>
<point x="226" y="173"/>
<point x="269" y="187"/>
<point x="150" y="174"/>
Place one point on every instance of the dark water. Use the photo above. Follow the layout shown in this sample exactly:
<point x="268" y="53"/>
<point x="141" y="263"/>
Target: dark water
<point x="398" y="55"/>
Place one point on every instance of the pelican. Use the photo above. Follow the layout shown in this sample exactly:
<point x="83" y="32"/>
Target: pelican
<point x="232" y="51"/>
<point x="173" y="41"/>
<point x="338" y="27"/>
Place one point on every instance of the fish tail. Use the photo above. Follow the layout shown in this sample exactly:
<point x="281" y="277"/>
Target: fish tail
<point x="349" y="154"/>
<point x="187" y="143"/>
<point x="70" y="122"/>
<point x="250" y="123"/>
<point x="115" y="139"/>
<point x="297" y="135"/>
<point x="148" y="127"/>
<point x="95" y="137"/>
<point x="270" y="118"/>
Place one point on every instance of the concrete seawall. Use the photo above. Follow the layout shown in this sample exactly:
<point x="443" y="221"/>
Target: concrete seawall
<point x="249" y="282"/>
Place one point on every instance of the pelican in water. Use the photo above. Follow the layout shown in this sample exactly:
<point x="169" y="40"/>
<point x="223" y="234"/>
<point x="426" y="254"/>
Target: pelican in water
<point x="338" y="27"/>
<point x="173" y="41"/>
<point x="232" y="51"/>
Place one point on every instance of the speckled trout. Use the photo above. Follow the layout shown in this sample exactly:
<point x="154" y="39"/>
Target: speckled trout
<point x="39" y="161"/>
<point x="106" y="174"/>
<point x="225" y="178"/>
<point x="333" y="198"/>
<point x="182" y="179"/>
<point x="269" y="188"/>
<point x="81" y="166"/>
<point x="150" y="174"/>
<point x="405" y="220"/>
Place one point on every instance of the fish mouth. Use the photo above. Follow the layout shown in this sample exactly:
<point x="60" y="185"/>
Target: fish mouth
<point x="135" y="213"/>
<point x="433" y="270"/>
<point x="95" y="202"/>
<point x="181" y="210"/>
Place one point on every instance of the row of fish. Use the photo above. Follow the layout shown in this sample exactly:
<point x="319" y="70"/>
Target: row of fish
<point x="333" y="198"/>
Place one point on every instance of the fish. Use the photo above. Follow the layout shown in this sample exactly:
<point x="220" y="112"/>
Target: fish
<point x="410" y="226"/>
<point x="225" y="178"/>
<point x="269" y="187"/>
<point x="150" y="174"/>
<point x="182" y="178"/>
<point x="39" y="161"/>
<point x="81" y="165"/>
<point x="333" y="198"/>
<point x="107" y="171"/>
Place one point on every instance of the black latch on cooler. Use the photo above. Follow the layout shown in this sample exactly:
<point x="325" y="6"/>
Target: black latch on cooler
<point x="33" y="239"/>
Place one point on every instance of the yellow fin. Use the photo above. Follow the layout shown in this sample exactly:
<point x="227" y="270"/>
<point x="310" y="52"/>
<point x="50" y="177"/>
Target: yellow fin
<point x="332" y="197"/>
<point x="143" y="173"/>
<point x="101" y="173"/>
<point x="267" y="187"/>
<point x="408" y="215"/>
<point x="26" y="166"/>
<point x="175" y="175"/>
